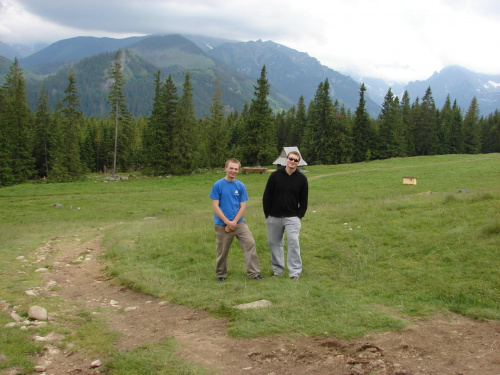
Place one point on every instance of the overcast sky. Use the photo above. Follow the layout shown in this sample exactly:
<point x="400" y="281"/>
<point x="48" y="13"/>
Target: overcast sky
<point x="398" y="40"/>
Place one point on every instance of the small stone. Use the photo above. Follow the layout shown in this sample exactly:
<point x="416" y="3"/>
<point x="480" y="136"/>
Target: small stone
<point x="131" y="308"/>
<point x="96" y="363"/>
<point x="10" y="325"/>
<point x="253" y="305"/>
<point x="16" y="316"/>
<point x="39" y="368"/>
<point x="32" y="293"/>
<point x="38" y="324"/>
<point x="41" y="270"/>
<point x="37" y="313"/>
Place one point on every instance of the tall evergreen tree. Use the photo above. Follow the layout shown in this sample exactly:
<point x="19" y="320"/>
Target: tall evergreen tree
<point x="299" y="124"/>
<point x="424" y="131"/>
<point x="472" y="129"/>
<point x="117" y="100"/>
<point x="341" y="136"/>
<point x="456" y="144"/>
<point x="321" y="120"/>
<point x="89" y="148"/>
<point x="184" y="148"/>
<point x="490" y="133"/>
<point x="282" y="129"/>
<point x="217" y="132"/>
<point x="157" y="138"/>
<point x="391" y="135"/>
<point x="407" y="115"/>
<point x="66" y="163"/>
<point x="363" y="133"/>
<point x="260" y="138"/>
<point x="42" y="131"/>
<point x="16" y="162"/>
<point x="443" y="128"/>
<point x="237" y="132"/>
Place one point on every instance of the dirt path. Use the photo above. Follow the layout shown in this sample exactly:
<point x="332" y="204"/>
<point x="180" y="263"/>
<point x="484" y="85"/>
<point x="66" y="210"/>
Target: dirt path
<point x="446" y="345"/>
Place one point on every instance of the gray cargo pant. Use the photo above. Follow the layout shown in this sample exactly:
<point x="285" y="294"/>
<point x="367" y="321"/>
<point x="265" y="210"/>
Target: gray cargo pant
<point x="276" y="227"/>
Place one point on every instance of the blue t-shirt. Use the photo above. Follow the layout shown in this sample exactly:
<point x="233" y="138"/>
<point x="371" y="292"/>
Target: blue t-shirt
<point x="230" y="195"/>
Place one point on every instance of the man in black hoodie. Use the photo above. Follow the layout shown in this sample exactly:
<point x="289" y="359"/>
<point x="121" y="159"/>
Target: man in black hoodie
<point x="285" y="204"/>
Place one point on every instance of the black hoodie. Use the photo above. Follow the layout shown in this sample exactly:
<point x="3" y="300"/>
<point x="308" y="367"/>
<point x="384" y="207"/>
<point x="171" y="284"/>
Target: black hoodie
<point x="286" y="195"/>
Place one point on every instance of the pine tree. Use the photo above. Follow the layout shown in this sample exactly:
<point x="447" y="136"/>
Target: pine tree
<point x="118" y="102"/>
<point x="424" y="131"/>
<point x="407" y="115"/>
<point x="259" y="144"/>
<point x="282" y="129"/>
<point x="237" y="132"/>
<point x="88" y="154"/>
<point x="183" y="153"/>
<point x="321" y="123"/>
<point x="391" y="130"/>
<point x="341" y="136"/>
<point x="216" y="131"/>
<point x="157" y="138"/>
<point x="66" y="165"/>
<point x="42" y="131"/>
<point x="363" y="133"/>
<point x="299" y="123"/>
<point x="490" y="133"/>
<point x="472" y="129"/>
<point x="456" y="145"/>
<point x="443" y="128"/>
<point x="16" y="162"/>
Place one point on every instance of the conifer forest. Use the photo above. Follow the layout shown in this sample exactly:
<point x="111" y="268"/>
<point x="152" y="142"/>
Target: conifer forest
<point x="61" y="144"/>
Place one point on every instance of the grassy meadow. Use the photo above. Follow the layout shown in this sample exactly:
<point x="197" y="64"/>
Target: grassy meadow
<point x="374" y="250"/>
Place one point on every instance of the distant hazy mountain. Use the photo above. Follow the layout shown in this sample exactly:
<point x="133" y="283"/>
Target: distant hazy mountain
<point x="19" y="50"/>
<point x="461" y="84"/>
<point x="238" y="65"/>
<point x="73" y="49"/>
<point x="377" y="88"/>
<point x="8" y="51"/>
<point x="173" y="54"/>
<point x="293" y="73"/>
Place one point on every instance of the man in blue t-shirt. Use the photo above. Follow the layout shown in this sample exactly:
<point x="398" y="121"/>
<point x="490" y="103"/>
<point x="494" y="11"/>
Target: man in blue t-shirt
<point x="229" y="197"/>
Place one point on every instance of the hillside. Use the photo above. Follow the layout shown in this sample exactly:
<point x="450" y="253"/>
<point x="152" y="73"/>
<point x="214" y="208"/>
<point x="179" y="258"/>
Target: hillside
<point x="461" y="85"/>
<point x="173" y="55"/>
<point x="238" y="65"/>
<point x="290" y="73"/>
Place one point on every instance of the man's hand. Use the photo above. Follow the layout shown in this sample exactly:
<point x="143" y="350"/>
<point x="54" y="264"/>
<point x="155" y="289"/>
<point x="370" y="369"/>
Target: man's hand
<point x="230" y="226"/>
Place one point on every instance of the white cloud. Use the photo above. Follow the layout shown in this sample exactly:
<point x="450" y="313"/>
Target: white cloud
<point x="399" y="40"/>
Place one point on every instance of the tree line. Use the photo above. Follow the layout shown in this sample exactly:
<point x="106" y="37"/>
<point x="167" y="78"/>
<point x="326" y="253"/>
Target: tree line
<point x="60" y="144"/>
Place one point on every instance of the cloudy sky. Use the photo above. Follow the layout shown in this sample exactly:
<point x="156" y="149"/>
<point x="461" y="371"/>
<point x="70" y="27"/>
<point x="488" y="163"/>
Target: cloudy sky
<point x="398" y="40"/>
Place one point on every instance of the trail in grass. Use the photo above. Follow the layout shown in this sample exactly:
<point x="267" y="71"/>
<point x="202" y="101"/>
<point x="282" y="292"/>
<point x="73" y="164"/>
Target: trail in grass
<point x="446" y="345"/>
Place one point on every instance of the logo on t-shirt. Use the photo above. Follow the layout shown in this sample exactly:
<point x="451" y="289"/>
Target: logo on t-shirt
<point x="236" y="192"/>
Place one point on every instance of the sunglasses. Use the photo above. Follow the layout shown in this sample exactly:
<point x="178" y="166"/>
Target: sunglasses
<point x="293" y="159"/>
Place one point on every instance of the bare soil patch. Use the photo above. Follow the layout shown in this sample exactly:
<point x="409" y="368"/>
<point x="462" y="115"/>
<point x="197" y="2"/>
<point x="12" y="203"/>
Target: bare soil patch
<point x="441" y="345"/>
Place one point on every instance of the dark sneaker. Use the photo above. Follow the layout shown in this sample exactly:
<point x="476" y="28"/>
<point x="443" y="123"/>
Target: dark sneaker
<point x="258" y="277"/>
<point x="220" y="279"/>
<point x="294" y="278"/>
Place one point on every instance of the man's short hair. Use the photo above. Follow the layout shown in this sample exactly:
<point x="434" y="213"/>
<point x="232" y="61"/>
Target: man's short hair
<point x="295" y="153"/>
<point x="233" y="160"/>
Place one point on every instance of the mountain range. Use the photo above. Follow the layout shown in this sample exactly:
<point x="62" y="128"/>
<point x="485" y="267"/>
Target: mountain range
<point x="237" y="65"/>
